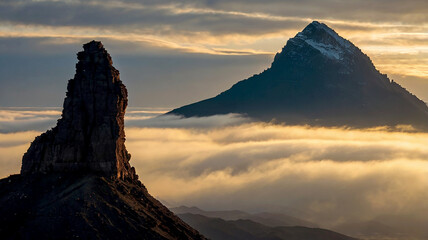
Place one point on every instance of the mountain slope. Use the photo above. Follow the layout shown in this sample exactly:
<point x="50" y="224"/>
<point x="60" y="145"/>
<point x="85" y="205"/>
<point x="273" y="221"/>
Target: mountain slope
<point x="216" y="228"/>
<point x="84" y="206"/>
<point x="319" y="78"/>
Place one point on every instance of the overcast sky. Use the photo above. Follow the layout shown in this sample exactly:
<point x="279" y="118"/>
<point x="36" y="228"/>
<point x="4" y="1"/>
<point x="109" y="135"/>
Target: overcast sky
<point x="172" y="53"/>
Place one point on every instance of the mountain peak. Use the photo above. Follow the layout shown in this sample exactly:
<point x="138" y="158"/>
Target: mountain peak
<point x="316" y="28"/>
<point x="90" y="135"/>
<point x="318" y="78"/>
<point x="325" y="40"/>
<point x="93" y="45"/>
<point x="316" y="25"/>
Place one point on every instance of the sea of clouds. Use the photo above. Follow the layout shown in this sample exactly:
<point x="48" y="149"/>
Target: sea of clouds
<point x="326" y="175"/>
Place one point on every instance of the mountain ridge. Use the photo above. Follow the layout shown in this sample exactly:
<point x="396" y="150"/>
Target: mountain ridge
<point x="265" y="218"/>
<point x="220" y="229"/>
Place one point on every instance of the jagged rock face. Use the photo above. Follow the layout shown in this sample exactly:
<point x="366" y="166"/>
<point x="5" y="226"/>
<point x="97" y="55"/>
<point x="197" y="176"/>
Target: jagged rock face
<point x="319" y="78"/>
<point x="76" y="181"/>
<point x="90" y="135"/>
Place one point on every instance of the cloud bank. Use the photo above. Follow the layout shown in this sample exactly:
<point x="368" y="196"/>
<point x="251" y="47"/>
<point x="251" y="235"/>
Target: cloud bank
<point x="326" y="175"/>
<point x="331" y="176"/>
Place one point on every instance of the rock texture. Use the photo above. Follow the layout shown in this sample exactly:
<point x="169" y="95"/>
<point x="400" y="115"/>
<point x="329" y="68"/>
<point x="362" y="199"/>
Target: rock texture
<point x="84" y="206"/>
<point x="319" y="78"/>
<point x="90" y="135"/>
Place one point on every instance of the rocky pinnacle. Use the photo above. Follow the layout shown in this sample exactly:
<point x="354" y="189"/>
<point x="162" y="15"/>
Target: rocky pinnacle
<point x="90" y="135"/>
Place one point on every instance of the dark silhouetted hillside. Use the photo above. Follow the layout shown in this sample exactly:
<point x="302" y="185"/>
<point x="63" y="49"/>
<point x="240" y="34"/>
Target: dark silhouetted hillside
<point x="265" y="218"/>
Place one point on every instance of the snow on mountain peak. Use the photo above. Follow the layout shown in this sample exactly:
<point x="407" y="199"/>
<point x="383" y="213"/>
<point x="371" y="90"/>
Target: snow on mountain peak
<point x="325" y="40"/>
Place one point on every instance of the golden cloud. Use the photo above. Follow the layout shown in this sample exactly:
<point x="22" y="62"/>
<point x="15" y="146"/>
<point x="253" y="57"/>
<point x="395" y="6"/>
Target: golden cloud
<point x="331" y="175"/>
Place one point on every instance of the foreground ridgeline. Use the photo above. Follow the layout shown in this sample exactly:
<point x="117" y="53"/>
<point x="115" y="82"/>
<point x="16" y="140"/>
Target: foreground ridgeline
<point x="90" y="135"/>
<point x="76" y="181"/>
<point x="322" y="79"/>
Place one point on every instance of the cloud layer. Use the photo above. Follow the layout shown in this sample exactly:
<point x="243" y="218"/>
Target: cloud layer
<point x="332" y="173"/>
<point x="326" y="175"/>
<point x="331" y="176"/>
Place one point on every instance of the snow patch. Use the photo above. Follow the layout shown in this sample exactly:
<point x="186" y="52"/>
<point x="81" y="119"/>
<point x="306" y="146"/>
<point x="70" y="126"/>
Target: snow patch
<point x="328" y="50"/>
<point x="333" y="47"/>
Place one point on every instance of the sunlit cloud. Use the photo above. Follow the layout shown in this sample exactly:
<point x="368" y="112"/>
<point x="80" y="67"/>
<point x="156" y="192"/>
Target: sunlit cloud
<point x="12" y="147"/>
<point x="10" y="115"/>
<point x="19" y="119"/>
<point x="334" y="174"/>
<point x="329" y="175"/>
<point x="27" y="118"/>
<point x="173" y="121"/>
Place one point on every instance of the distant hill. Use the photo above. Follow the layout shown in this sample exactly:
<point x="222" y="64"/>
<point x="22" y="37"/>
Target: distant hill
<point x="394" y="227"/>
<point x="219" y="229"/>
<point x="371" y="230"/>
<point x="265" y="218"/>
<point x="319" y="78"/>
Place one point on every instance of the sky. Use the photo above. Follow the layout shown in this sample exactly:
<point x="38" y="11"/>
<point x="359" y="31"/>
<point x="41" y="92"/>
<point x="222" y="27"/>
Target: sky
<point x="172" y="53"/>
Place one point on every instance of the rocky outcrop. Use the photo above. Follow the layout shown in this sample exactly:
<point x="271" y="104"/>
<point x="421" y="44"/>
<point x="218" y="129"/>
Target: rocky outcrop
<point x="90" y="135"/>
<point x="76" y="181"/>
